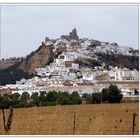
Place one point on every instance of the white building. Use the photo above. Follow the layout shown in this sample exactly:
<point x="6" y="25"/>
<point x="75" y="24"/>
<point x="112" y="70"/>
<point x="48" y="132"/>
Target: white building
<point x="135" y="74"/>
<point x="88" y="76"/>
<point x="129" y="92"/>
<point x="75" y="66"/>
<point x="59" y="61"/>
<point x="111" y="75"/>
<point x="22" y="81"/>
<point x="126" y="75"/>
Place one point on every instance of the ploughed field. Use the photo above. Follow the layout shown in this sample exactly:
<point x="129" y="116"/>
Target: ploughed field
<point x="94" y="119"/>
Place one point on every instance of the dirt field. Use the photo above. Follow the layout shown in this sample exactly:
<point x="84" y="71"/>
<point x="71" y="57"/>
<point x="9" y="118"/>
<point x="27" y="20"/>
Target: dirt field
<point x="104" y="119"/>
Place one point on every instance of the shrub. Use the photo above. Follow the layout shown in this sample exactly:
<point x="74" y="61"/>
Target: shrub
<point x="35" y="98"/>
<point x="42" y="97"/>
<point x="87" y="98"/>
<point x="51" y="96"/>
<point x="96" y="98"/>
<point x="63" y="98"/>
<point x="75" y="98"/>
<point x="105" y="95"/>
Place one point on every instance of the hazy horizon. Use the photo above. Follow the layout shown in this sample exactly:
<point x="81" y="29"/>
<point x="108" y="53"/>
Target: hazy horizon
<point x="23" y="28"/>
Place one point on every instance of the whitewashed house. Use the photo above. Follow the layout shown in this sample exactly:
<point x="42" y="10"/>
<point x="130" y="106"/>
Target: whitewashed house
<point x="135" y="74"/>
<point x="126" y="75"/>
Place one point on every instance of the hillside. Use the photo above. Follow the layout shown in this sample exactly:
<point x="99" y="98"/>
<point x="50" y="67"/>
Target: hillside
<point x="86" y="52"/>
<point x="103" y="119"/>
<point x="12" y="74"/>
<point x="6" y="63"/>
<point x="131" y="62"/>
<point x="40" y="58"/>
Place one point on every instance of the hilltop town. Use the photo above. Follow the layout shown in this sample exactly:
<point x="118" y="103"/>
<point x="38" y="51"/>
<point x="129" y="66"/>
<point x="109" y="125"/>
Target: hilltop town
<point x="76" y="66"/>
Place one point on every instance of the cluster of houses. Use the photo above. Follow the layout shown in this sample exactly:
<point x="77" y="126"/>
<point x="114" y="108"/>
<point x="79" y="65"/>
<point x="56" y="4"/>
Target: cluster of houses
<point x="63" y="77"/>
<point x="65" y="74"/>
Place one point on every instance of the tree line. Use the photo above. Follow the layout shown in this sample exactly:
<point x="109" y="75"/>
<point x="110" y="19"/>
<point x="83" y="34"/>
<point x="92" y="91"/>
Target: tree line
<point x="108" y="95"/>
<point x="42" y="98"/>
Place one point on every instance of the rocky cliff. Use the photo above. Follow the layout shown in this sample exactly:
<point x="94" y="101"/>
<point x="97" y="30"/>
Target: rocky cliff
<point x="40" y="58"/>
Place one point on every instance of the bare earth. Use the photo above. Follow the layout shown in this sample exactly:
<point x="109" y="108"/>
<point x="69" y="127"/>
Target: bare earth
<point x="102" y="119"/>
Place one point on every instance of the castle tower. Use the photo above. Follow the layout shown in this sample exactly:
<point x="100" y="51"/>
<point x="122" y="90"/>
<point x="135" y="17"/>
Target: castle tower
<point x="73" y="34"/>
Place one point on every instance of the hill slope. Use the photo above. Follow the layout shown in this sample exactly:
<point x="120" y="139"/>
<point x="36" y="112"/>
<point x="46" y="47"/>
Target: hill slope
<point x="40" y="58"/>
<point x="87" y="52"/>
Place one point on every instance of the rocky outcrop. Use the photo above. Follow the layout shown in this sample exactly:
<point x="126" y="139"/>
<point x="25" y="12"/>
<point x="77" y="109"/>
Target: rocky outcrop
<point x="42" y="57"/>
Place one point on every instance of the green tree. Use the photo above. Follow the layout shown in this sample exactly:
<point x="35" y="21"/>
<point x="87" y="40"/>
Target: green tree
<point x="105" y="94"/>
<point x="16" y="96"/>
<point x="35" y="98"/>
<point x="115" y="95"/>
<point x="14" y="99"/>
<point x="23" y="99"/>
<point x="25" y="96"/>
<point x="75" y="98"/>
<point x="63" y="98"/>
<point x="52" y="96"/>
<point x="4" y="101"/>
<point x="75" y="94"/>
<point x="42" y="98"/>
<point x="87" y="98"/>
<point x="0" y="98"/>
<point x="96" y="98"/>
<point x="12" y="74"/>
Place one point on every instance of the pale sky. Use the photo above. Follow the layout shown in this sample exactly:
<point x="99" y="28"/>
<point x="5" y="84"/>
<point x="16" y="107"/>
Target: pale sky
<point x="23" y="28"/>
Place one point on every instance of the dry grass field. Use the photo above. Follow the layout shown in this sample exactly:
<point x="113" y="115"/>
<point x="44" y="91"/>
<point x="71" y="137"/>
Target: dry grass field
<point x="102" y="119"/>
